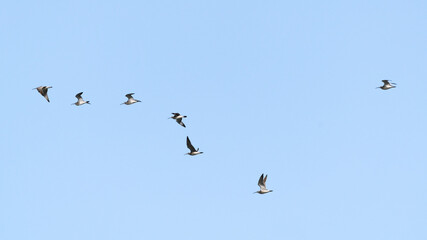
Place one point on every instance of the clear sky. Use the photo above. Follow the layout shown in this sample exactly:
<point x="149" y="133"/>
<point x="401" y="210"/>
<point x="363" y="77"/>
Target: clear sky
<point x="285" y="88"/>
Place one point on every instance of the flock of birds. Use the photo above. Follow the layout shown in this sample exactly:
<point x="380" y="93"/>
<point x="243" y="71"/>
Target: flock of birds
<point x="178" y="118"/>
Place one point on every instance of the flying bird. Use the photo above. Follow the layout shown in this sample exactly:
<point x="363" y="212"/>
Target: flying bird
<point x="387" y="85"/>
<point x="130" y="100"/>
<point x="193" y="151"/>
<point x="261" y="184"/>
<point x="80" y="100"/>
<point x="43" y="91"/>
<point x="178" y="117"/>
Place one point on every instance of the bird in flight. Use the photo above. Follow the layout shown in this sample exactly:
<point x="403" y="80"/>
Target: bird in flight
<point x="80" y="100"/>
<point x="178" y="117"/>
<point x="43" y="91"/>
<point x="130" y="100"/>
<point x="193" y="151"/>
<point x="387" y="85"/>
<point x="261" y="184"/>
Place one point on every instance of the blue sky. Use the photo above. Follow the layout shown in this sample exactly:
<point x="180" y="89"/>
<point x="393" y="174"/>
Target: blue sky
<point x="276" y="87"/>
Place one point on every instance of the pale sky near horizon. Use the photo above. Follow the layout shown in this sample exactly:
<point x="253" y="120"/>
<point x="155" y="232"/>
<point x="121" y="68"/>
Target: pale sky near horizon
<point x="284" y="88"/>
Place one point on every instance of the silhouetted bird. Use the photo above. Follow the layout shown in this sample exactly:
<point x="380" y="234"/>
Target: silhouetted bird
<point x="43" y="91"/>
<point x="178" y="117"/>
<point x="261" y="184"/>
<point x="80" y="100"/>
<point x="387" y="85"/>
<point x="193" y="151"/>
<point x="130" y="100"/>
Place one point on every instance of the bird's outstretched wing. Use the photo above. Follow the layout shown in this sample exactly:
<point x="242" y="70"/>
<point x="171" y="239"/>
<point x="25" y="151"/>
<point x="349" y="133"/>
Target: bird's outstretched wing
<point x="44" y="90"/>
<point x="190" y="146"/>
<point x="79" y="95"/>
<point x="129" y="95"/>
<point x="179" y="120"/>
<point x="265" y="180"/>
<point x="39" y="89"/>
<point x="261" y="182"/>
